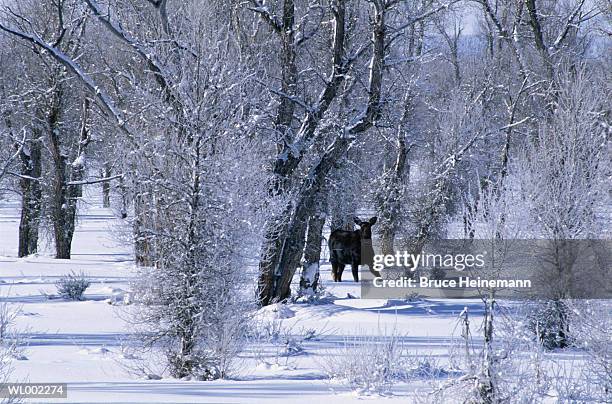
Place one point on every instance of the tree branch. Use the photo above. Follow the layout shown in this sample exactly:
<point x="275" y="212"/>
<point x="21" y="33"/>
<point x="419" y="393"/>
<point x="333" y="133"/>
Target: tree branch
<point x="95" y="181"/>
<point x="95" y="91"/>
<point x="265" y="14"/>
<point x="13" y="157"/>
<point x="161" y="77"/>
<point x="25" y="177"/>
<point x="367" y="118"/>
<point x="568" y="24"/>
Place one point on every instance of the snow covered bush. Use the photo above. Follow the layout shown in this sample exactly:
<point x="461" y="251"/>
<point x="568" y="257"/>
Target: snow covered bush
<point x="9" y="346"/>
<point x="6" y="357"/>
<point x="7" y="321"/>
<point x="549" y="322"/>
<point x="591" y="325"/>
<point x="193" y="181"/>
<point x="191" y="295"/>
<point x="562" y="172"/>
<point x="196" y="315"/>
<point x="367" y="364"/>
<point x="425" y="366"/>
<point x="287" y="340"/>
<point x="72" y="286"/>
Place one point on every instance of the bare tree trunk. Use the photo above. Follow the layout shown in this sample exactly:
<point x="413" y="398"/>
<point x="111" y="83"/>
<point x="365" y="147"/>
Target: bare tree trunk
<point x="284" y="116"/>
<point x="293" y="240"/>
<point x="275" y="242"/>
<point x="65" y="195"/>
<point x="486" y="385"/>
<point x="268" y="263"/>
<point x="59" y="208"/>
<point x="309" y="280"/>
<point x="389" y="200"/>
<point x="143" y="248"/>
<point x="31" y="196"/>
<point x="538" y="36"/>
<point x="106" y="186"/>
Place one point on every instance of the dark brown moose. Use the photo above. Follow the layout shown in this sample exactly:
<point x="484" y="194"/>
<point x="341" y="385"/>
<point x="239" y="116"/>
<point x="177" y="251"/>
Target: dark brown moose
<point x="347" y="248"/>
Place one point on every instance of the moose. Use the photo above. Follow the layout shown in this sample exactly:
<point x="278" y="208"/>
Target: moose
<point x="346" y="247"/>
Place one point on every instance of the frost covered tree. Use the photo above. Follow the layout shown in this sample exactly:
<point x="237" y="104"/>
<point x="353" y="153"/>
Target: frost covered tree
<point x="181" y="121"/>
<point x="46" y="104"/>
<point x="562" y="177"/>
<point x="189" y="183"/>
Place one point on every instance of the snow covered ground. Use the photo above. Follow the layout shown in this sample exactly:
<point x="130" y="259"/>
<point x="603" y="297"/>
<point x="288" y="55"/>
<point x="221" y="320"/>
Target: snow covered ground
<point x="81" y="342"/>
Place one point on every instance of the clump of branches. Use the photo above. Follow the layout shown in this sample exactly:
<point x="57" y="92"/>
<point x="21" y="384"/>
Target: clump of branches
<point x="367" y="364"/>
<point x="10" y="346"/>
<point x="72" y="286"/>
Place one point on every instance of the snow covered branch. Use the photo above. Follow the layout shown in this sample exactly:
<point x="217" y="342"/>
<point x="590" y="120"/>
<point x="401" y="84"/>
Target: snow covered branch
<point x="95" y="181"/>
<point x="266" y="15"/>
<point x="13" y="156"/>
<point x="96" y="92"/>
<point x="161" y="76"/>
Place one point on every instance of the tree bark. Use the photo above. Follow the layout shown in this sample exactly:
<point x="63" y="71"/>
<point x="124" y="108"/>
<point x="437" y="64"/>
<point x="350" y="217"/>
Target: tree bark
<point x="59" y="209"/>
<point x="65" y="195"/>
<point x="293" y="240"/>
<point x="31" y="196"/>
<point x="538" y="36"/>
<point x="106" y="185"/>
<point x="309" y="280"/>
<point x="389" y="201"/>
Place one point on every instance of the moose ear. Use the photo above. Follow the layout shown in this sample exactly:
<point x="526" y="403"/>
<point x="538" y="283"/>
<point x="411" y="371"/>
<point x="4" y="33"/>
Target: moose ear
<point x="357" y="221"/>
<point x="373" y="220"/>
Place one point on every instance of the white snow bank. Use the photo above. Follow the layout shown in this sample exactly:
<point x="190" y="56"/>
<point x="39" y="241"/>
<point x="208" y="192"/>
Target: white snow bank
<point x="276" y="311"/>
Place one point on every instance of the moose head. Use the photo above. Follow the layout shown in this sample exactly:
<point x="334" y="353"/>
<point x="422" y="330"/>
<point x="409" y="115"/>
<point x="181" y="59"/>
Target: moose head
<point x="365" y="228"/>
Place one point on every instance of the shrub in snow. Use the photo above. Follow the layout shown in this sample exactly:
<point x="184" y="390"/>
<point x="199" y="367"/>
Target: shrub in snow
<point x="425" y="367"/>
<point x="511" y="366"/>
<point x="8" y="316"/>
<point x="287" y="340"/>
<point x="198" y="327"/>
<point x="591" y="325"/>
<point x="549" y="322"/>
<point x="72" y="286"/>
<point x="10" y="346"/>
<point x="367" y="364"/>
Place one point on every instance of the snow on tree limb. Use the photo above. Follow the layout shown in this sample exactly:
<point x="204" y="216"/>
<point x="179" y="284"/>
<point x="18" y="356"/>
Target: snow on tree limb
<point x="12" y="157"/>
<point x="95" y="181"/>
<point x="161" y="76"/>
<point x="266" y="15"/>
<point x="96" y="92"/>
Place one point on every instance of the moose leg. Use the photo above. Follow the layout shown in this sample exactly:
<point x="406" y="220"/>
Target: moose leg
<point x="339" y="274"/>
<point x="334" y="271"/>
<point x="355" y="268"/>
